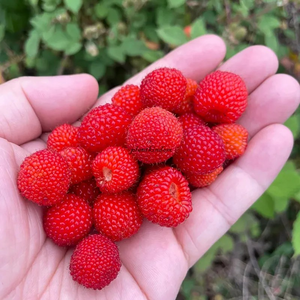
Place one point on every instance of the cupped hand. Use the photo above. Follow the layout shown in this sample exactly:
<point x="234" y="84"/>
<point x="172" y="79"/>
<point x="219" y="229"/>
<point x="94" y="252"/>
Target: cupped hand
<point x="156" y="260"/>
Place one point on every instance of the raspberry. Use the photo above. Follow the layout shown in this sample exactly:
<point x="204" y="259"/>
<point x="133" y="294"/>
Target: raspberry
<point x="87" y="190"/>
<point x="80" y="163"/>
<point x="115" y="170"/>
<point x="95" y="262"/>
<point x="128" y="97"/>
<point x="117" y="216"/>
<point x="164" y="197"/>
<point x="203" y="180"/>
<point x="62" y="137"/>
<point x="44" y="177"/>
<point x="189" y="120"/>
<point x="154" y="135"/>
<point x="104" y="126"/>
<point x="201" y="152"/>
<point x="69" y="221"/>
<point x="234" y="137"/>
<point x="186" y="106"/>
<point x="163" y="87"/>
<point x="221" y="97"/>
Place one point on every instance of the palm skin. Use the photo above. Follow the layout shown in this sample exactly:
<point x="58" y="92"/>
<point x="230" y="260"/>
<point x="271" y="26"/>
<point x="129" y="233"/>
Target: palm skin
<point x="155" y="261"/>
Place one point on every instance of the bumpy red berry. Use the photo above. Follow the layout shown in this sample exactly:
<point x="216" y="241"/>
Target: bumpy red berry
<point x="95" y="262"/>
<point x="201" y="152"/>
<point x="163" y="87"/>
<point x="80" y="163"/>
<point x="44" y="177"/>
<point x="117" y="216"/>
<point x="62" y="137"/>
<point x="234" y="137"/>
<point x="203" y="180"/>
<point x="154" y="135"/>
<point x="86" y="190"/>
<point x="189" y="120"/>
<point x="128" y="97"/>
<point x="69" y="221"/>
<point x="221" y="97"/>
<point x="115" y="170"/>
<point x="164" y="197"/>
<point x="104" y="126"/>
<point x="186" y="106"/>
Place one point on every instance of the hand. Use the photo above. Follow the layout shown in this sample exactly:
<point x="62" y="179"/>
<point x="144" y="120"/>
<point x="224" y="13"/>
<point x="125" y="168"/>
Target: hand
<point x="156" y="260"/>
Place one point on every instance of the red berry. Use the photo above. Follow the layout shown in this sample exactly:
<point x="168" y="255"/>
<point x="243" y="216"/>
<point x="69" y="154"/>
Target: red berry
<point x="104" y="126"/>
<point x="203" y="180"/>
<point x="95" y="262"/>
<point x="86" y="190"/>
<point x="62" y="137"/>
<point x="154" y="135"/>
<point x="80" y="163"/>
<point x="44" y="177"/>
<point x="115" y="170"/>
<point x="163" y="87"/>
<point x="189" y="120"/>
<point x="128" y="97"/>
<point x="186" y="106"/>
<point x="201" y="152"/>
<point x="221" y="97"/>
<point x="69" y="221"/>
<point x="234" y="137"/>
<point x="164" y="197"/>
<point x="117" y="216"/>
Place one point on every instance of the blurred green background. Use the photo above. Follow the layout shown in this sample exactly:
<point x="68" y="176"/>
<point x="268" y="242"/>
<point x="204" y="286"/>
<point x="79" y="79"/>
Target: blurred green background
<point x="114" y="39"/>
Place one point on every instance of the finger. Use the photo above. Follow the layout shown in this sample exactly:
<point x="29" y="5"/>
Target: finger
<point x="31" y="105"/>
<point x="254" y="64"/>
<point x="194" y="59"/>
<point x="218" y="207"/>
<point x="274" y="101"/>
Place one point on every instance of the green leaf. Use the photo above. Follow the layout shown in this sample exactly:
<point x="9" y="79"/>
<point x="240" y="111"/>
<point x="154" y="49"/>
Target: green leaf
<point x="198" y="28"/>
<point x="73" y="48"/>
<point x="296" y="235"/>
<point x="133" y="47"/>
<point x="73" y="30"/>
<point x="280" y="204"/>
<point x="244" y="223"/>
<point x="50" y="5"/>
<point x="175" y="3"/>
<point x="34" y="2"/>
<point x="97" y="69"/>
<point x="264" y="206"/>
<point x="153" y="55"/>
<point x="172" y="35"/>
<point x="59" y="40"/>
<point x="164" y="17"/>
<point x="225" y="244"/>
<point x="32" y="44"/>
<point x="101" y="10"/>
<point x="113" y="16"/>
<point x="293" y="124"/>
<point x="267" y="23"/>
<point x="41" y="22"/>
<point x="2" y="31"/>
<point x="116" y="53"/>
<point x="272" y="42"/>
<point x="73" y="5"/>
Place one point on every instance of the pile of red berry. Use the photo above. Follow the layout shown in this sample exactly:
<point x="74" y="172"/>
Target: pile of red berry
<point x="135" y="158"/>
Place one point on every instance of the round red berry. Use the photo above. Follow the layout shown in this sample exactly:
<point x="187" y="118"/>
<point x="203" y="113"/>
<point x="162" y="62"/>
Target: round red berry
<point x="69" y="221"/>
<point x="163" y="87"/>
<point x="117" y="216"/>
<point x="154" y="135"/>
<point x="164" y="197"/>
<point x="95" y="262"/>
<point x="104" y="126"/>
<point x="80" y="163"/>
<point x="234" y="137"/>
<point x="201" y="152"/>
<point x="189" y="120"/>
<point x="128" y="97"/>
<point x="221" y="97"/>
<point x="62" y="137"/>
<point x="115" y="170"/>
<point x="44" y="177"/>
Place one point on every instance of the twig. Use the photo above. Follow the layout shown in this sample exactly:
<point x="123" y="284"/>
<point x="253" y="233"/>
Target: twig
<point x="258" y="271"/>
<point x="294" y="269"/>
<point x="245" y="286"/>
<point x="62" y="65"/>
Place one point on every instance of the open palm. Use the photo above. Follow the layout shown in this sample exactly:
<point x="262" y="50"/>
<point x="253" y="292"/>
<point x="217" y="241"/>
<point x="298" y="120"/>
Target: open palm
<point x="155" y="261"/>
